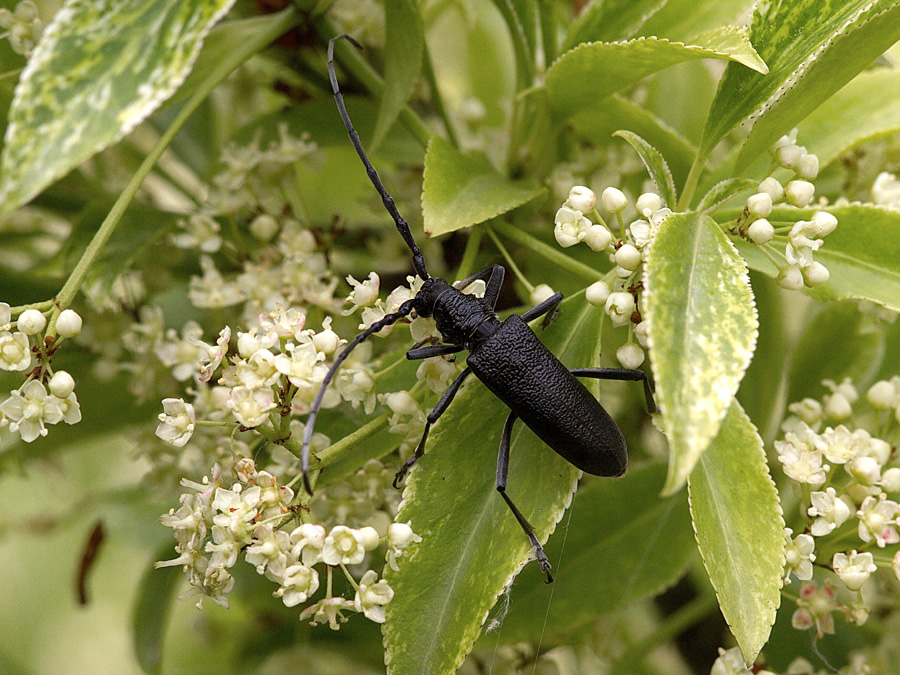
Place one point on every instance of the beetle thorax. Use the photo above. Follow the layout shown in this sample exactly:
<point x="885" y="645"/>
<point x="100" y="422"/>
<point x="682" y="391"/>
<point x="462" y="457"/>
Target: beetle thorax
<point x="457" y="314"/>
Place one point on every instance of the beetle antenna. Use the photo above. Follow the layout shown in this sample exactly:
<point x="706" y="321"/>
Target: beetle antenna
<point x="384" y="322"/>
<point x="402" y="225"/>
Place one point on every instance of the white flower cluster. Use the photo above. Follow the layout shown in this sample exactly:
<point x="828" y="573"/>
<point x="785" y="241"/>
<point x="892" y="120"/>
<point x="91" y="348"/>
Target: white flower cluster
<point x="619" y="292"/>
<point x="860" y="501"/>
<point x="215" y="525"/>
<point x="46" y="397"/>
<point x="796" y="266"/>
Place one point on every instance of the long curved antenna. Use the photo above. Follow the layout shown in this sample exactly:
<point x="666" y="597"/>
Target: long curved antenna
<point x="402" y="225"/>
<point x="386" y="320"/>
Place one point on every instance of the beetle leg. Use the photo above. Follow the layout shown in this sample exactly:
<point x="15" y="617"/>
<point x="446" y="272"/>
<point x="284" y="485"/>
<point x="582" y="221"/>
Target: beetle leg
<point x="492" y="288"/>
<point x="427" y="352"/>
<point x="502" y="471"/>
<point x="620" y="374"/>
<point x="433" y="416"/>
<point x="548" y="307"/>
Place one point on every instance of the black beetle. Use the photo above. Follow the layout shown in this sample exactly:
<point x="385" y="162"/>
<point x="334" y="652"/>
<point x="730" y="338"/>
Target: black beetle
<point x="505" y="355"/>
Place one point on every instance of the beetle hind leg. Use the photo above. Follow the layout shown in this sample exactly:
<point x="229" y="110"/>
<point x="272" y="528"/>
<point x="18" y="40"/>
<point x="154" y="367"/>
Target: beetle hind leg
<point x="502" y="473"/>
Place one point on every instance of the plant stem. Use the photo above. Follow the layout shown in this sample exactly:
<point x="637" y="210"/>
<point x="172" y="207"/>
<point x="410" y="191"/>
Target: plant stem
<point x="509" y="260"/>
<point x="436" y="97"/>
<point x="467" y="265"/>
<point x="690" y="185"/>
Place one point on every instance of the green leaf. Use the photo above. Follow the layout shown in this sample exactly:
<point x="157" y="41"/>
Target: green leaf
<point x="655" y="164"/>
<point x="862" y="254"/>
<point x="703" y="330"/>
<point x="812" y="48"/>
<point x="605" y="21"/>
<point x="600" y="123"/>
<point x="759" y="394"/>
<point x="684" y="19"/>
<point x="403" y="26"/>
<point x="866" y="109"/>
<point x="151" y="612"/>
<point x="586" y="74"/>
<point x="839" y="342"/>
<point x="740" y="530"/>
<point x="641" y="542"/>
<point x="464" y="189"/>
<point x="97" y="72"/>
<point x="472" y="547"/>
<point x="724" y="190"/>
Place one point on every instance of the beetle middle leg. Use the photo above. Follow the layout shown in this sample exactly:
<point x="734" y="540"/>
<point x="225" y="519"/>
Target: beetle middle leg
<point x="436" y="412"/>
<point x="550" y="307"/>
<point x="627" y="374"/>
<point x="502" y="473"/>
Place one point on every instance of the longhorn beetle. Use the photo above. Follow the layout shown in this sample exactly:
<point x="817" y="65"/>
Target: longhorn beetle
<point x="505" y="355"/>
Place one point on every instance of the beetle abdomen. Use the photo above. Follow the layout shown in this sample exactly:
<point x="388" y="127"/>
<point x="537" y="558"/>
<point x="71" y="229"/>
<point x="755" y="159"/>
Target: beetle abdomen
<point x="541" y="391"/>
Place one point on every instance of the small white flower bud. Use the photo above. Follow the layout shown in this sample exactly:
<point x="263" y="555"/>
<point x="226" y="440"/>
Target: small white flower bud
<point x="598" y="238"/>
<point x="826" y="222"/>
<point x="597" y="293"/>
<point x="326" y="341"/>
<point x="837" y="407"/>
<point x="630" y="355"/>
<point x="895" y="565"/>
<point x="582" y="199"/>
<point x="760" y="204"/>
<point x="68" y="323"/>
<point x="369" y="538"/>
<point x="540" y="293"/>
<point x="815" y="274"/>
<point x="799" y="193"/>
<point x="648" y="201"/>
<point x="882" y="395"/>
<point x="808" y="166"/>
<point x="890" y="480"/>
<point x="264" y="227"/>
<point x="640" y="332"/>
<point x="761" y="231"/>
<point x="628" y="257"/>
<point x="61" y="384"/>
<point x="865" y="470"/>
<point x="401" y="403"/>
<point x="31" y="322"/>
<point x="789" y="156"/>
<point x="790" y="278"/>
<point x="613" y="200"/>
<point x="400" y="535"/>
<point x="619" y="307"/>
<point x="771" y="187"/>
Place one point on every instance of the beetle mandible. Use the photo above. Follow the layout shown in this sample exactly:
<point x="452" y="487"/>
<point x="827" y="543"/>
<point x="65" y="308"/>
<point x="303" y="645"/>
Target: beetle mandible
<point x="505" y="355"/>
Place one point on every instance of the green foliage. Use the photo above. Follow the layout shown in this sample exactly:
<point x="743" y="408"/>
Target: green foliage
<point x="704" y="322"/>
<point x="193" y="176"/>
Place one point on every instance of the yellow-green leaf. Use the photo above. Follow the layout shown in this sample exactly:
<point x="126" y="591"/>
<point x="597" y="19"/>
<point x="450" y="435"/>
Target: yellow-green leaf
<point x="703" y="329"/>
<point x="581" y="77"/>
<point x="740" y="530"/>
<point x="101" y="67"/>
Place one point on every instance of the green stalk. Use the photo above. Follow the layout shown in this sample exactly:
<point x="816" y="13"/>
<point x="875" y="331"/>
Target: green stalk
<point x="436" y="97"/>
<point x="352" y="59"/>
<point x="289" y="19"/>
<point x="549" y="253"/>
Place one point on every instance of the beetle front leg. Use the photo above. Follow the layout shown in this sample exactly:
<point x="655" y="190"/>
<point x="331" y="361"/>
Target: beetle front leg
<point x="436" y="412"/>
<point x="502" y="472"/>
